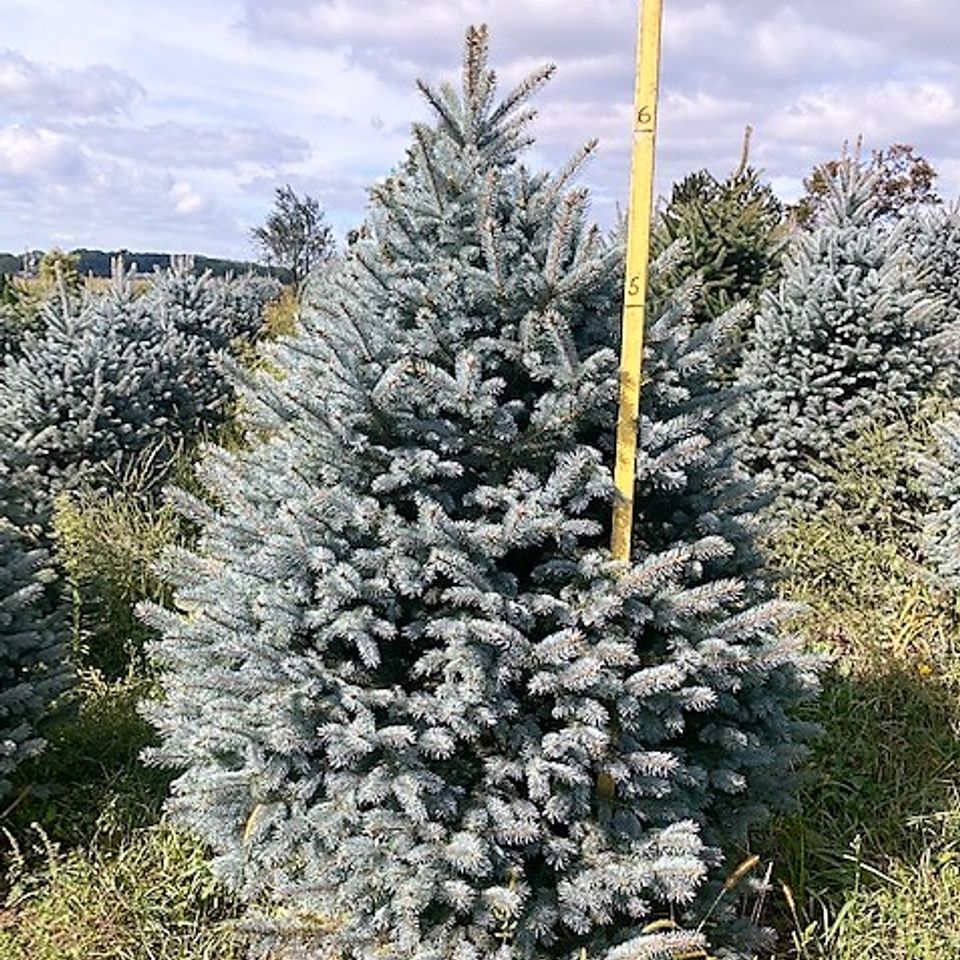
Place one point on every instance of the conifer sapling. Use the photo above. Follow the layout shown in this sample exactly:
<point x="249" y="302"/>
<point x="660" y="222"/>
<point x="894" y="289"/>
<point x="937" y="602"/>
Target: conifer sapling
<point x="33" y="668"/>
<point x="847" y="340"/>
<point x="405" y="687"/>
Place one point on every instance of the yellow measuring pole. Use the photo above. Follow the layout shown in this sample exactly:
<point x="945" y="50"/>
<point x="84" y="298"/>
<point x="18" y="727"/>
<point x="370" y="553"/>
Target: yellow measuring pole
<point x="638" y="258"/>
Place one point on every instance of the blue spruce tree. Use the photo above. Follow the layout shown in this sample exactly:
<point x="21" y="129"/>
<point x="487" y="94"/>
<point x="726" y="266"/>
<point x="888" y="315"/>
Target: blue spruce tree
<point x="406" y="688"/>
<point x="32" y="636"/>
<point x="935" y="244"/>
<point x="118" y="381"/>
<point x="941" y="472"/>
<point x="847" y="340"/>
<point x="218" y="310"/>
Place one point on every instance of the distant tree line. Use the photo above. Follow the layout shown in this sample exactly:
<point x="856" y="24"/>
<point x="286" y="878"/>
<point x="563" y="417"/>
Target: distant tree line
<point x="97" y="263"/>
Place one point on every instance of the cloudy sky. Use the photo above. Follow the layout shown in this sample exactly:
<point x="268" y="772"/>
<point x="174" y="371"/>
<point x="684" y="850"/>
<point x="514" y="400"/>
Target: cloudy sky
<point x="168" y="126"/>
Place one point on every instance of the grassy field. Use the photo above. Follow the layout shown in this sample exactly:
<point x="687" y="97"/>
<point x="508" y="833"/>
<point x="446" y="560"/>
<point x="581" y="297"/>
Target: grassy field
<point x="92" y="871"/>
<point x="869" y="867"/>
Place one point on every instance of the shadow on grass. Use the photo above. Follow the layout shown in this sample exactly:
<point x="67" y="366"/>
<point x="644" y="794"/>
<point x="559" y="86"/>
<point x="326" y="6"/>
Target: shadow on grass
<point x="89" y="782"/>
<point x="87" y="866"/>
<point x="882" y="786"/>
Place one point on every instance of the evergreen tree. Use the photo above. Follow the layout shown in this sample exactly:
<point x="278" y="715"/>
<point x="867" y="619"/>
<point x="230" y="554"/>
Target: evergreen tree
<point x="407" y="689"/>
<point x="218" y="310"/>
<point x="941" y="471"/>
<point x="934" y="237"/>
<point x="108" y="381"/>
<point x="32" y="633"/>
<point x="733" y="235"/>
<point x="844" y="342"/>
<point x="246" y="297"/>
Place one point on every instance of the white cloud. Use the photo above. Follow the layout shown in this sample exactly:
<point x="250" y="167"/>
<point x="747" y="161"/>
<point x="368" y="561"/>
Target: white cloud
<point x="688" y="28"/>
<point x="179" y="145"/>
<point x="185" y="198"/>
<point x="395" y="33"/>
<point x="209" y="105"/>
<point x="36" y="89"/>
<point x="790" y="45"/>
<point x="33" y="153"/>
<point x="894" y="110"/>
<point x="949" y="182"/>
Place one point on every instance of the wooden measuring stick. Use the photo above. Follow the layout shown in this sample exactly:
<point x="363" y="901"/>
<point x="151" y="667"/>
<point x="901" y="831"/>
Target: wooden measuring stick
<point x="637" y="266"/>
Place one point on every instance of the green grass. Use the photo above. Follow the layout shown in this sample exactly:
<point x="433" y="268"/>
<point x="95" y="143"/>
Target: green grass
<point x="868" y="868"/>
<point x="909" y="912"/>
<point x="89" y="867"/>
<point x="107" y="547"/>
<point x="89" y="784"/>
<point x="879" y="817"/>
<point x="152" y="897"/>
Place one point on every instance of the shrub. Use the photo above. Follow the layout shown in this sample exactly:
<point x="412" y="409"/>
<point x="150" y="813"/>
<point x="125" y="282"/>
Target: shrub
<point x="19" y="313"/>
<point x="934" y="235"/>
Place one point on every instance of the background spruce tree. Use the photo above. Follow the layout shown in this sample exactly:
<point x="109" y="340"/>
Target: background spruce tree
<point x="33" y="634"/>
<point x="934" y="236"/>
<point x="848" y="339"/>
<point x="58" y="278"/>
<point x="734" y="236"/>
<point x="936" y="247"/>
<point x="407" y="690"/>
<point x="941" y="473"/>
<point x="120" y="382"/>
<point x="220" y="311"/>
